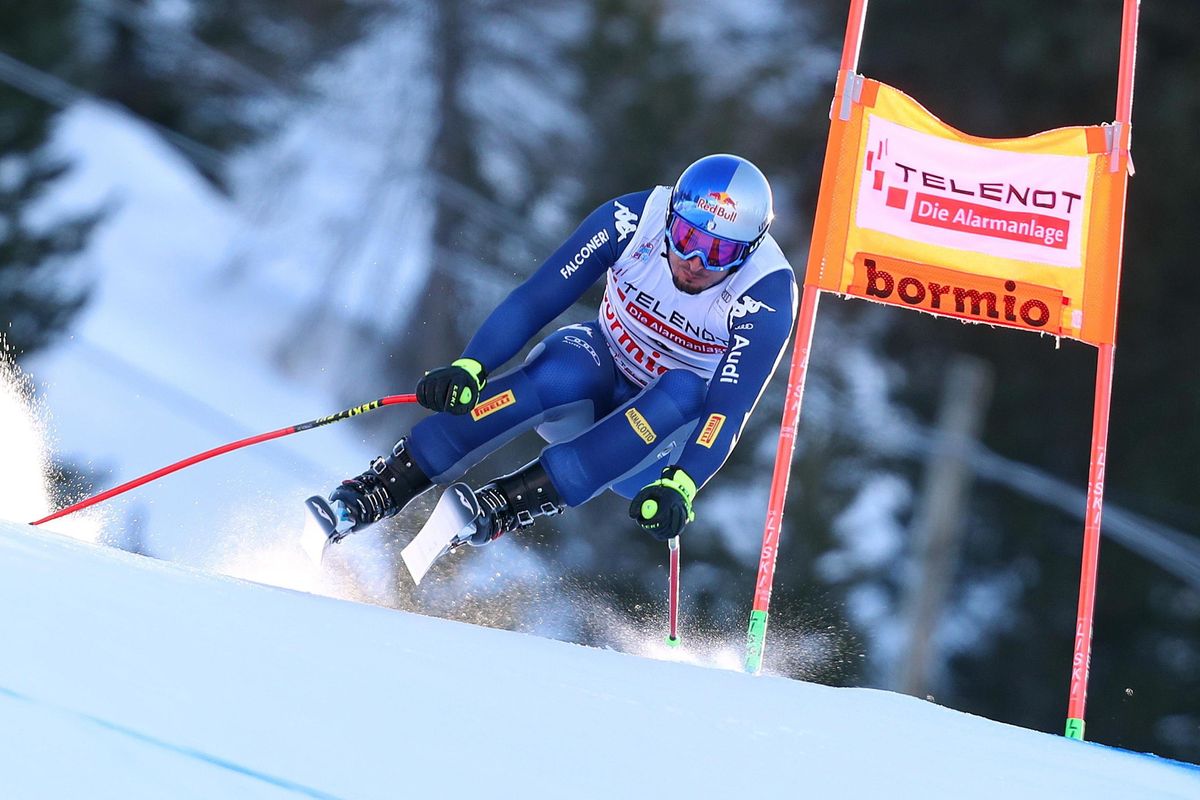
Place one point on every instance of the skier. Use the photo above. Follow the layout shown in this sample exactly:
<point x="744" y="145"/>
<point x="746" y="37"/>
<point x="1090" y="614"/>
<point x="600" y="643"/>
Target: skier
<point x="648" y="400"/>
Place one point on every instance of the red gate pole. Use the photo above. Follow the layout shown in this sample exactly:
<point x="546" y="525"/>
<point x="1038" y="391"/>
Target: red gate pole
<point x="756" y="637"/>
<point x="1081" y="662"/>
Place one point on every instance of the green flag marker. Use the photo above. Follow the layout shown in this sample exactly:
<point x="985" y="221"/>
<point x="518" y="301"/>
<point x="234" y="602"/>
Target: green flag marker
<point x="1074" y="729"/>
<point x="756" y="640"/>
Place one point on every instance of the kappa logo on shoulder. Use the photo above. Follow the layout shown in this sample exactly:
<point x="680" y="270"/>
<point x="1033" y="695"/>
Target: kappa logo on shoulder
<point x="625" y="220"/>
<point x="747" y="305"/>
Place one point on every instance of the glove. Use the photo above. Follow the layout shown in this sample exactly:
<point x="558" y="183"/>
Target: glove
<point x="454" y="388"/>
<point x="662" y="508"/>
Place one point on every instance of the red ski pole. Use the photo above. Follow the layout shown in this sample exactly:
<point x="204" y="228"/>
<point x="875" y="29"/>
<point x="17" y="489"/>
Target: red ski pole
<point x="673" y="601"/>
<point x="226" y="448"/>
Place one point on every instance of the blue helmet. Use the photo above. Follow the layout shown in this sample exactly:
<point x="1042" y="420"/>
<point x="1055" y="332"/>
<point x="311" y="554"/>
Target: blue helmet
<point x="726" y="197"/>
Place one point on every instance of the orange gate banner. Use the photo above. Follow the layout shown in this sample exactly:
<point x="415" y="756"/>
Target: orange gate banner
<point x="1023" y="233"/>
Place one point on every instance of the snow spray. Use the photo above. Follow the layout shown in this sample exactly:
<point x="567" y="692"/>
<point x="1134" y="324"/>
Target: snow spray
<point x="25" y="466"/>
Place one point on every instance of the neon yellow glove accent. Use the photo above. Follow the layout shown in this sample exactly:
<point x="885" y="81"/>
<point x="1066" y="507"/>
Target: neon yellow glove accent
<point x="466" y="395"/>
<point x="674" y="478"/>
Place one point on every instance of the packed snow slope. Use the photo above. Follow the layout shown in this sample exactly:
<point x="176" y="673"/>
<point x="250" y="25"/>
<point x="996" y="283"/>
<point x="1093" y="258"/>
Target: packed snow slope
<point x="127" y="677"/>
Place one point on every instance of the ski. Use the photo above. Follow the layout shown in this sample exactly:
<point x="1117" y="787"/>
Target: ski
<point x="327" y="524"/>
<point x="451" y="524"/>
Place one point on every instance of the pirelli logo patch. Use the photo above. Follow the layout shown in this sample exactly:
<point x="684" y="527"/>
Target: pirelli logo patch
<point x="492" y="405"/>
<point x="640" y="426"/>
<point x="711" y="430"/>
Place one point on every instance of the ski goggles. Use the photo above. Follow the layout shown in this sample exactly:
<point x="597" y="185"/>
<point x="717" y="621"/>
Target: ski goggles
<point x="717" y="254"/>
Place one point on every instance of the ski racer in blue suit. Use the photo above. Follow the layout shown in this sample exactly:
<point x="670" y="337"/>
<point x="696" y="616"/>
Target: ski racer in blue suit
<point x="647" y="400"/>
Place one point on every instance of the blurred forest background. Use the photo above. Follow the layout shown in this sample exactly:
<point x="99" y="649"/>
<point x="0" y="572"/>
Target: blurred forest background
<point x="469" y="136"/>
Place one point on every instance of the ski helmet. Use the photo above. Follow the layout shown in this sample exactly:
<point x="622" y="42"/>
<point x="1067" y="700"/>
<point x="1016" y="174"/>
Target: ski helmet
<point x="720" y="210"/>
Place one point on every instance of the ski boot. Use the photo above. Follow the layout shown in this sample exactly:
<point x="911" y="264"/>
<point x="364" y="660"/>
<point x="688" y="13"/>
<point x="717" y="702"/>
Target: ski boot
<point x="511" y="503"/>
<point x="463" y="516"/>
<point x="380" y="492"/>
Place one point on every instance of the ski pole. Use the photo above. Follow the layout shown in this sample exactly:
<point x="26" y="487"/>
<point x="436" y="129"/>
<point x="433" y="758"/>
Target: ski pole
<point x="673" y="600"/>
<point x="226" y="448"/>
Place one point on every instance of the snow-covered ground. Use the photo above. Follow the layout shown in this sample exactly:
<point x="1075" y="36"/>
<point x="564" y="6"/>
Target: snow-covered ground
<point x="127" y="677"/>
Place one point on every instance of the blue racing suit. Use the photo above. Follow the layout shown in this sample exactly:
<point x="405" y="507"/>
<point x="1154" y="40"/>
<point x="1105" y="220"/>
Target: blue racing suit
<point x="660" y="377"/>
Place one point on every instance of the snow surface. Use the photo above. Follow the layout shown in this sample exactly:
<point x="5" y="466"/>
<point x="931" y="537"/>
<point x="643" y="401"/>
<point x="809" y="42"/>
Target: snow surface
<point x="128" y="677"/>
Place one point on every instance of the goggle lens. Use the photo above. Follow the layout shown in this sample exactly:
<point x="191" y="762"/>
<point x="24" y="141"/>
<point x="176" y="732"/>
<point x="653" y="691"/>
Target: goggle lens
<point x="716" y="253"/>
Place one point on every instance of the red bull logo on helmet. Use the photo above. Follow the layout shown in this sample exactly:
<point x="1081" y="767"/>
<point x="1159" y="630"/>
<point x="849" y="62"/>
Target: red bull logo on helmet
<point x="724" y="199"/>
<point x="719" y="204"/>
